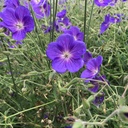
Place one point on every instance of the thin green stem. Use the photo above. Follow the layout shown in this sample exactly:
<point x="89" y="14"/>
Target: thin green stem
<point x="85" y="18"/>
<point x="26" y="110"/>
<point x="10" y="68"/>
<point x="54" y="17"/>
<point x="89" y="22"/>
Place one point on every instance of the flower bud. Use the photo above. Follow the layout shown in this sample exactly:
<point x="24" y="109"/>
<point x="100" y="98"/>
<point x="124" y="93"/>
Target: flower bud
<point x="24" y="89"/>
<point x="77" y="111"/>
<point x="78" y="124"/>
<point x="122" y="101"/>
<point x="86" y="104"/>
<point x="63" y="90"/>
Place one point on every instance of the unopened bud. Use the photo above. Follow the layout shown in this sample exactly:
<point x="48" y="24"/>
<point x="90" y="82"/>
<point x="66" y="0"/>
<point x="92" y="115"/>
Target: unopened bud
<point x="86" y="104"/>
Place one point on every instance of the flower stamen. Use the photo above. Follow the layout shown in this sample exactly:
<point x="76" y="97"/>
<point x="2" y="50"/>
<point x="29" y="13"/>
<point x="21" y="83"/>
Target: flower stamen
<point x="66" y="55"/>
<point x="19" y="25"/>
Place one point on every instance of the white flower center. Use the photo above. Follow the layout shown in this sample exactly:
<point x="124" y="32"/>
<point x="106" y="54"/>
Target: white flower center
<point x="42" y="9"/>
<point x="95" y="71"/>
<point x="66" y="55"/>
<point x="19" y="25"/>
<point x="37" y="1"/>
<point x="75" y="37"/>
<point x="101" y="1"/>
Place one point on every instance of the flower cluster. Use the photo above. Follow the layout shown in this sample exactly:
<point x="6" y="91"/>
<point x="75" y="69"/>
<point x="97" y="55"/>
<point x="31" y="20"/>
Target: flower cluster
<point x="68" y="53"/>
<point x="92" y="76"/>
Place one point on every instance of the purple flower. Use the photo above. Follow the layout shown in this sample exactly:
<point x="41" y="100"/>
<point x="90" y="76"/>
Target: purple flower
<point x="96" y="83"/>
<point x="126" y="115"/>
<point x="102" y="3"/>
<point x="75" y="32"/>
<point x="2" y="26"/>
<point x="62" y="17"/>
<point x="108" y="20"/>
<point x="105" y="24"/>
<point x="62" y="1"/>
<point x="36" y="2"/>
<point x="11" y="3"/>
<point x="41" y="9"/>
<point x="99" y="99"/>
<point x="46" y="29"/>
<point x="66" y="54"/>
<point x="61" y="14"/>
<point x="68" y="126"/>
<point x="94" y="88"/>
<point x="87" y="57"/>
<point x="1" y="19"/>
<point x="18" y="21"/>
<point x="112" y="2"/>
<point x="116" y="18"/>
<point x="124" y="0"/>
<point x="62" y="20"/>
<point x="92" y="68"/>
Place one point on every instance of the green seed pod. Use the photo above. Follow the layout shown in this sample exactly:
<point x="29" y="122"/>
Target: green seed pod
<point x="122" y="101"/>
<point x="24" y="89"/>
<point x="86" y="104"/>
<point x="78" y="124"/>
<point x="91" y="98"/>
<point x="63" y="90"/>
<point x="77" y="111"/>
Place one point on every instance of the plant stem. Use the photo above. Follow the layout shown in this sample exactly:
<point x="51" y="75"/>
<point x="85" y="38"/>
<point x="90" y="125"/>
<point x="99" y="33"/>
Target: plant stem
<point x="85" y="18"/>
<point x="10" y="68"/>
<point x="54" y="17"/>
<point x="89" y="22"/>
<point x="26" y="110"/>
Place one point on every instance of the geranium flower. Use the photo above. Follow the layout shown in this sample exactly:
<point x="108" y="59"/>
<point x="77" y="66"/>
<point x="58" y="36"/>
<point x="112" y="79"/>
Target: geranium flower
<point x="99" y="99"/>
<point x="2" y="26"/>
<point x="18" y="21"/>
<point x="113" y="2"/>
<point x="75" y="32"/>
<point x="61" y="14"/>
<point x="66" y="54"/>
<point x="35" y="2"/>
<point x="105" y="24"/>
<point x="116" y="18"/>
<point x="96" y="83"/>
<point x="11" y="3"/>
<point x="124" y="0"/>
<point x="102" y="3"/>
<point x="108" y="20"/>
<point x="62" y="1"/>
<point x="62" y="20"/>
<point x="87" y="57"/>
<point x="41" y="8"/>
<point x="92" y="68"/>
